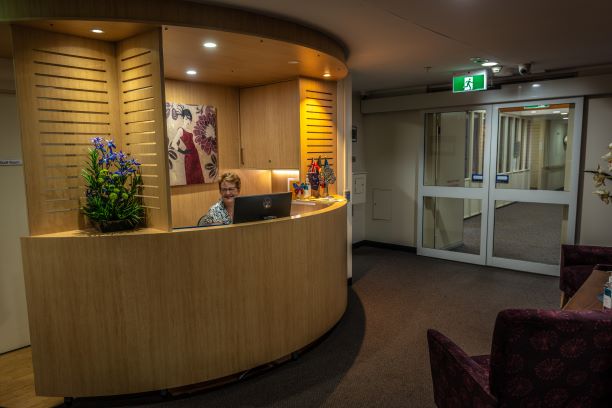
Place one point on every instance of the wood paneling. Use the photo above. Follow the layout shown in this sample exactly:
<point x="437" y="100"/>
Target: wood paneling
<point x="190" y="202"/>
<point x="241" y="60"/>
<point x="182" y="13"/>
<point x="142" y="116"/>
<point x="178" y="308"/>
<point x="66" y="88"/>
<point x="318" y="119"/>
<point x="270" y="126"/>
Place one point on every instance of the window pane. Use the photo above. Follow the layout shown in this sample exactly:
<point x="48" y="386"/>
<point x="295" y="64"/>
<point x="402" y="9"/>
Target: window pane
<point x="529" y="231"/>
<point x="454" y="149"/>
<point x="534" y="147"/>
<point x="452" y="224"/>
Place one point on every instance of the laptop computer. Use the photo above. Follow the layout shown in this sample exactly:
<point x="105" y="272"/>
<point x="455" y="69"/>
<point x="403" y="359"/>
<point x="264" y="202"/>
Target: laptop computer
<point x="261" y="207"/>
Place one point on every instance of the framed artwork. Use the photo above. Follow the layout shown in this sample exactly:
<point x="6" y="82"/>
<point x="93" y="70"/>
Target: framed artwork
<point x="193" y="154"/>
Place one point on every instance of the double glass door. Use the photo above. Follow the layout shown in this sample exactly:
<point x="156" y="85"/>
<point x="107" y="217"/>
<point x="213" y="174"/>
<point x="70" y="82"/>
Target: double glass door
<point x="498" y="184"/>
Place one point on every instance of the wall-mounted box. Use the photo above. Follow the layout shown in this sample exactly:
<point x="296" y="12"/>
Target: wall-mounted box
<point x="359" y="188"/>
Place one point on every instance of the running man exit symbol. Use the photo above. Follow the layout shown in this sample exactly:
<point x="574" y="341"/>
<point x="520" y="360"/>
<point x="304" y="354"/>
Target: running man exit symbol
<point x="468" y="83"/>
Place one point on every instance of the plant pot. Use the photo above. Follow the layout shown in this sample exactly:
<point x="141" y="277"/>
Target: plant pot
<point x="113" y="225"/>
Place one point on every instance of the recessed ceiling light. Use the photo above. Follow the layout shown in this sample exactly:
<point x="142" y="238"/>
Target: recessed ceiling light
<point x="564" y="113"/>
<point x="191" y="72"/>
<point x="97" y="31"/>
<point x="209" y="44"/>
<point x="293" y="62"/>
<point x="556" y="111"/>
<point x="327" y="75"/>
<point x="565" y="118"/>
<point x="489" y="64"/>
<point x="536" y="85"/>
<point x="534" y="112"/>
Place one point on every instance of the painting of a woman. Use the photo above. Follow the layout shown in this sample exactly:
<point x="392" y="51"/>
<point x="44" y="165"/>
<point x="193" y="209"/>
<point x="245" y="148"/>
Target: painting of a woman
<point x="192" y="150"/>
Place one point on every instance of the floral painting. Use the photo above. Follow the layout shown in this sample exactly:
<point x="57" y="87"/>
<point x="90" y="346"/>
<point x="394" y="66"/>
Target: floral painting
<point x="193" y="155"/>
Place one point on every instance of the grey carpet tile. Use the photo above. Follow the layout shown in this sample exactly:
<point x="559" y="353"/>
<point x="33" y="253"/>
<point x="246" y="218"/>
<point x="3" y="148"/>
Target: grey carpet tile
<point x="377" y="355"/>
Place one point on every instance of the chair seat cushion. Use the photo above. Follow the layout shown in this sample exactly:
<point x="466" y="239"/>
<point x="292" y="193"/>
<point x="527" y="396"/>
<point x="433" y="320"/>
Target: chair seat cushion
<point x="484" y="361"/>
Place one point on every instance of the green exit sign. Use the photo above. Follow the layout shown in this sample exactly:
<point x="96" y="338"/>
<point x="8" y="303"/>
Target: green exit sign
<point x="470" y="82"/>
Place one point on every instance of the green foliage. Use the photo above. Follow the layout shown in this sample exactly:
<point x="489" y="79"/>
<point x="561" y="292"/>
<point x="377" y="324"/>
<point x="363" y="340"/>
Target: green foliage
<point x="112" y="182"/>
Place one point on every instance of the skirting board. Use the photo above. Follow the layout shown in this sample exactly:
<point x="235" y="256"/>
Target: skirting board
<point x="384" y="245"/>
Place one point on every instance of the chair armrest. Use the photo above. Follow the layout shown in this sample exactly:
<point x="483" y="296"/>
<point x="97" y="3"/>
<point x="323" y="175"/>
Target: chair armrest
<point x="458" y="381"/>
<point x="603" y="267"/>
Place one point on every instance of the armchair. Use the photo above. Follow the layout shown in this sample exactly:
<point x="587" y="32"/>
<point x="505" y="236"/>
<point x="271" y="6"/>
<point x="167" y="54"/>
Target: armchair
<point x="538" y="359"/>
<point x="577" y="263"/>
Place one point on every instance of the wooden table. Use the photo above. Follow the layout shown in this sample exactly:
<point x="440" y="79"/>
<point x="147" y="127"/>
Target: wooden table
<point x="586" y="297"/>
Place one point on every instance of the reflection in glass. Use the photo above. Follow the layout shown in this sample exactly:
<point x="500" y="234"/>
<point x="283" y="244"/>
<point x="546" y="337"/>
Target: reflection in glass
<point x="529" y="231"/>
<point x="452" y="224"/>
<point x="454" y="148"/>
<point x="534" y="147"/>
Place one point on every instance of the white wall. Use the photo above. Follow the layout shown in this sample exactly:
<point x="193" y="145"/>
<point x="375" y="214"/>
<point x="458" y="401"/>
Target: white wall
<point x="392" y="144"/>
<point x="595" y="218"/>
<point x="14" y="332"/>
<point x="359" y="166"/>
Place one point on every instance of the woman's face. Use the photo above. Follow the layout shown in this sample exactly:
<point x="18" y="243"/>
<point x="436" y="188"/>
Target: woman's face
<point x="228" y="192"/>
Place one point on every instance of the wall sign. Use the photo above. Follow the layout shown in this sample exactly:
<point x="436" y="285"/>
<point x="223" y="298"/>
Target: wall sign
<point x="470" y="82"/>
<point x="11" y="162"/>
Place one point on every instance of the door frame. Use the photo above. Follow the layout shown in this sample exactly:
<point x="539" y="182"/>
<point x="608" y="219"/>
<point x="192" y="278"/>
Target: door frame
<point x="475" y="193"/>
<point x="569" y="198"/>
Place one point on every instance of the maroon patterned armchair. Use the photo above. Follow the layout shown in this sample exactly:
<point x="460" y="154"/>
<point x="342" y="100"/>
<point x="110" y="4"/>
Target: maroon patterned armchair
<point x="577" y="263"/>
<point x="539" y="358"/>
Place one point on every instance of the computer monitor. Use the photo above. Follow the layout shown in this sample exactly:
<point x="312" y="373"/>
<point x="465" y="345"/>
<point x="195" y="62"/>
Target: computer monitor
<point x="261" y="207"/>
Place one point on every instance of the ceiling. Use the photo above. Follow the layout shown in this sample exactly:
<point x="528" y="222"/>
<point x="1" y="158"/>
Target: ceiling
<point x="413" y="43"/>
<point x="238" y="60"/>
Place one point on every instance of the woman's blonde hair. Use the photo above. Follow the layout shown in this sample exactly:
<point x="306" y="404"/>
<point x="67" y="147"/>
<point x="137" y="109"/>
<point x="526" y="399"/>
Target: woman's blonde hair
<point x="230" y="178"/>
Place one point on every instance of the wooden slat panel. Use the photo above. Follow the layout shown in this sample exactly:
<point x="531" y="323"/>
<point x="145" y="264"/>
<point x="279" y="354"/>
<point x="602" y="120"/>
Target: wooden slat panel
<point x="44" y="104"/>
<point x="318" y="130"/>
<point x="67" y="83"/>
<point x="67" y="95"/>
<point x="61" y="95"/>
<point x="143" y="120"/>
<point x="84" y="75"/>
<point x="69" y="60"/>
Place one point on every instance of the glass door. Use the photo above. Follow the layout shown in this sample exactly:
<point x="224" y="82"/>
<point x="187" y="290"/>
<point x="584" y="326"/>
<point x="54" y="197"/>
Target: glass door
<point x="498" y="185"/>
<point x="534" y="184"/>
<point x="452" y="200"/>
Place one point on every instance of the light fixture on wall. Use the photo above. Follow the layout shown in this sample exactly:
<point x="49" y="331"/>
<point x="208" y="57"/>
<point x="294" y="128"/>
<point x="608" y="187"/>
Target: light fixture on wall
<point x="97" y="31"/>
<point x="191" y="72"/>
<point x="327" y="75"/>
<point x="489" y="64"/>
<point x="496" y="69"/>
<point x="293" y="62"/>
<point x="536" y="85"/>
<point x="210" y="44"/>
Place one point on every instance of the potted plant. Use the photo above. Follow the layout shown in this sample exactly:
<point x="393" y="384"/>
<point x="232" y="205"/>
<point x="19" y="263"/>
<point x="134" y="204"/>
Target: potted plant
<point x="112" y="180"/>
<point x="600" y="176"/>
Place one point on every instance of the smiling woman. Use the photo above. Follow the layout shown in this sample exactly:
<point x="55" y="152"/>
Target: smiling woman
<point x="222" y="212"/>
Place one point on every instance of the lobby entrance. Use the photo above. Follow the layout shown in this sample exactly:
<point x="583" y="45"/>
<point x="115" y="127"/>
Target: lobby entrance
<point x="498" y="184"/>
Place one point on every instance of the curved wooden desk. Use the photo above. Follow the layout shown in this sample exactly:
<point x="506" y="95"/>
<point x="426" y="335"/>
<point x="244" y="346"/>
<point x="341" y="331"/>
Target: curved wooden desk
<point x="148" y="310"/>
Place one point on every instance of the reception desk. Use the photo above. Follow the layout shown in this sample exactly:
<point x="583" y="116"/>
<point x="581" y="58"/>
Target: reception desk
<point x="147" y="310"/>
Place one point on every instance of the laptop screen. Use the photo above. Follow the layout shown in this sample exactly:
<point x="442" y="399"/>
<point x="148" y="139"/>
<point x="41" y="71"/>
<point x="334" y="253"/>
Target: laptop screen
<point x="261" y="207"/>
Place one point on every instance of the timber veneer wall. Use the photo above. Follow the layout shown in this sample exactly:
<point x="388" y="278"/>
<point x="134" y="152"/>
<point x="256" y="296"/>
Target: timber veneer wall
<point x="72" y="89"/>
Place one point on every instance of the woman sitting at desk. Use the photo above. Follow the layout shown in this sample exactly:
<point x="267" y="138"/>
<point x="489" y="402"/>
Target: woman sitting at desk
<point x="222" y="212"/>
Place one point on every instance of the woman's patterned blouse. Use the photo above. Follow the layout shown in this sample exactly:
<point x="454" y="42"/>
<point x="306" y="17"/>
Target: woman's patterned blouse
<point x="217" y="214"/>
